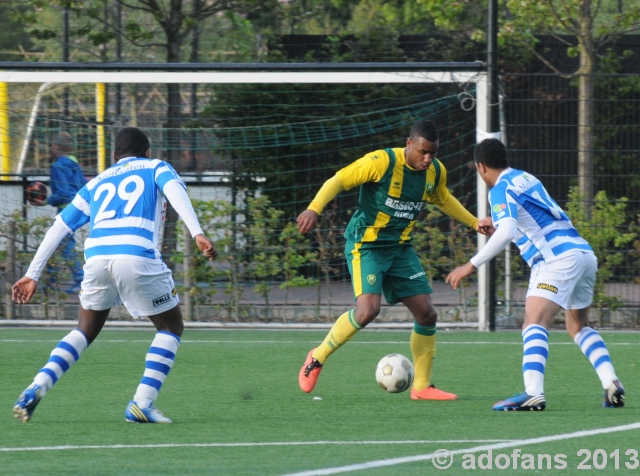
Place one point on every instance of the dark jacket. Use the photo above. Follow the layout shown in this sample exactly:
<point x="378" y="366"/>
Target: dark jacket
<point x="66" y="180"/>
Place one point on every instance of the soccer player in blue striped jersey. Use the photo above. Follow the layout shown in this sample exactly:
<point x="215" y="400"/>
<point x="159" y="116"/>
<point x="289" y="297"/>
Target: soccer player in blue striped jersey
<point x="124" y="206"/>
<point x="563" y="273"/>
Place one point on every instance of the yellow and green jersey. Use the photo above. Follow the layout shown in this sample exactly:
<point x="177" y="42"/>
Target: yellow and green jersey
<point x="392" y="194"/>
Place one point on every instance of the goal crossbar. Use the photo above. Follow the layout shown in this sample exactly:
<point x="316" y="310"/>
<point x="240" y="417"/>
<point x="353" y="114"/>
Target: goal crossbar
<point x="277" y="73"/>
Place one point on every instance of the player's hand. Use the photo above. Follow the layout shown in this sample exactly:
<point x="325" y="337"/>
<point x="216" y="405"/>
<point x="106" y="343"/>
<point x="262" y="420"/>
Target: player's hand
<point x="459" y="274"/>
<point x="485" y="226"/>
<point x="307" y="221"/>
<point x="207" y="247"/>
<point x="23" y="289"/>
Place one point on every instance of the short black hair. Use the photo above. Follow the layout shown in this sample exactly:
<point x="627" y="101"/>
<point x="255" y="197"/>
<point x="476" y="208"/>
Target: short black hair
<point x="131" y="142"/>
<point x="425" y="129"/>
<point x="492" y="153"/>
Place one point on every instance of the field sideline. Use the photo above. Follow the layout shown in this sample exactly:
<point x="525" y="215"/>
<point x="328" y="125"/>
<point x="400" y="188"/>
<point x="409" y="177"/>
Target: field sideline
<point x="237" y="409"/>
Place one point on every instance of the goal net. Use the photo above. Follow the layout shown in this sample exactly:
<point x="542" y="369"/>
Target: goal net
<point x="254" y="148"/>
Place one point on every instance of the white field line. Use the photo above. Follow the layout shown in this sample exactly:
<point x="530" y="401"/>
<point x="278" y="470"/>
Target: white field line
<point x="236" y="445"/>
<point x="508" y="444"/>
<point x="187" y="341"/>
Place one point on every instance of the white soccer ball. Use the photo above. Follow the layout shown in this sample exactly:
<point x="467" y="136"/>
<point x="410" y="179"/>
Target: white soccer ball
<point x="394" y="373"/>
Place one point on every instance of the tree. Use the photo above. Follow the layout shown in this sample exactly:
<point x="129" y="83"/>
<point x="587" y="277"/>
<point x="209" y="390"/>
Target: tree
<point x="585" y="26"/>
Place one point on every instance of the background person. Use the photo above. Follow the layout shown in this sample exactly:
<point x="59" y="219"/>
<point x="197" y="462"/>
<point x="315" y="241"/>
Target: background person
<point x="563" y="273"/>
<point x="66" y="178"/>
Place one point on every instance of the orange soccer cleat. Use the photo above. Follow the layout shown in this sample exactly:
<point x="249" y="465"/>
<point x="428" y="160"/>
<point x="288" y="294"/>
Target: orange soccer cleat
<point x="432" y="393"/>
<point x="309" y="373"/>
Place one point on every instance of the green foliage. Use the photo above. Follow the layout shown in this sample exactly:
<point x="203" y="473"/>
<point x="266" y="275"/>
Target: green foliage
<point x="607" y="233"/>
<point x="218" y="221"/>
<point x="263" y="234"/>
<point x="29" y="234"/>
<point x="296" y="253"/>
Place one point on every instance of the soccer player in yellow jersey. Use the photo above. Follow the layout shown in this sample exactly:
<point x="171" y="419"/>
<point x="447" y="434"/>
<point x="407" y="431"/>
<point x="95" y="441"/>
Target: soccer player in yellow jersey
<point x="395" y="184"/>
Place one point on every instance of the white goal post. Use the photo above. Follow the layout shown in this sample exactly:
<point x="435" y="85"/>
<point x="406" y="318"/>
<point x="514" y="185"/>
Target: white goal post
<point x="281" y="73"/>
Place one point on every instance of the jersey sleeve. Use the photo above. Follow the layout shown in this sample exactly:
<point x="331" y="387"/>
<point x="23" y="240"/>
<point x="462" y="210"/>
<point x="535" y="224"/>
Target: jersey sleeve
<point x="370" y="168"/>
<point x="442" y="198"/>
<point x="165" y="173"/>
<point x="78" y="212"/>
<point x="51" y="240"/>
<point x="502" y="205"/>
<point x="327" y="192"/>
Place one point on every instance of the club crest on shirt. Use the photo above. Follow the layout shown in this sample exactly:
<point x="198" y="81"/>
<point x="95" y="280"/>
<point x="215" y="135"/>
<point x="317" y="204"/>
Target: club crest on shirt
<point x="429" y="188"/>
<point x="371" y="279"/>
<point x="548" y="287"/>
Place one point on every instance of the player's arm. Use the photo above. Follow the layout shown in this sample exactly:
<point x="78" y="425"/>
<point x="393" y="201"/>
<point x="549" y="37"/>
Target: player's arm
<point x="307" y="219"/>
<point x="369" y="168"/>
<point x="176" y="193"/>
<point x="504" y="233"/>
<point x="442" y="198"/>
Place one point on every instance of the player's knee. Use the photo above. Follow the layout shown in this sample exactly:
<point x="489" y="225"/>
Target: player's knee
<point x="427" y="318"/>
<point x="366" y="315"/>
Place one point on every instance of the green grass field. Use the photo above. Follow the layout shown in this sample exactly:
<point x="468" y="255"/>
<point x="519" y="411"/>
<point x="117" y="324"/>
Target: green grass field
<point x="237" y="408"/>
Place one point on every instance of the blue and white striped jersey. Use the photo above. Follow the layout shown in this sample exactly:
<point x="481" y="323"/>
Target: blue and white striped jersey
<point x="125" y="207"/>
<point x="544" y="229"/>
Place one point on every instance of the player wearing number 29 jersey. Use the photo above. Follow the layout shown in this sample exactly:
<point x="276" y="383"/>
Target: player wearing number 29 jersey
<point x="124" y="206"/>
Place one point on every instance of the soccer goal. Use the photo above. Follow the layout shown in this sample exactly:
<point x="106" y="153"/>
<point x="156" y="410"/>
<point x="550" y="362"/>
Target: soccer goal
<point x="270" y="131"/>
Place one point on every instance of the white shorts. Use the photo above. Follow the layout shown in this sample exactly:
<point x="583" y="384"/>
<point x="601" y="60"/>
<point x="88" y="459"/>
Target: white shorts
<point x="567" y="280"/>
<point x="146" y="288"/>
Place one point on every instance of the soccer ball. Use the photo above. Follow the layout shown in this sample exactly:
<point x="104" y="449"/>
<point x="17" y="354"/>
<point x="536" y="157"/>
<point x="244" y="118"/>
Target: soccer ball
<point x="36" y="192"/>
<point x="394" y="373"/>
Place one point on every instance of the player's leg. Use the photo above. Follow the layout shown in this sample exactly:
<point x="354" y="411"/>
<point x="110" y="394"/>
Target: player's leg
<point x="68" y="350"/>
<point x="159" y="361"/>
<point x="62" y="358"/>
<point x="407" y="282"/>
<point x="588" y="339"/>
<point x="367" y="286"/>
<point x="147" y="289"/>
<point x="423" y="348"/>
<point x="548" y="292"/>
<point x="347" y="325"/>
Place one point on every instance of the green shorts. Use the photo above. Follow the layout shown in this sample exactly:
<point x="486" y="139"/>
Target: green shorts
<point x="393" y="270"/>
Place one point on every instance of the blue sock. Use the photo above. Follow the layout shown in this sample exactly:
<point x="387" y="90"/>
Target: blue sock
<point x="63" y="356"/>
<point x="158" y="363"/>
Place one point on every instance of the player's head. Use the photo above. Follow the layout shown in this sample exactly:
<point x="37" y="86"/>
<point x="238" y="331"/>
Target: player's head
<point x="422" y="145"/>
<point x="491" y="153"/>
<point x="62" y="144"/>
<point x="131" y="142"/>
<point x="426" y="129"/>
